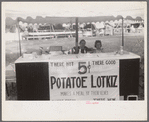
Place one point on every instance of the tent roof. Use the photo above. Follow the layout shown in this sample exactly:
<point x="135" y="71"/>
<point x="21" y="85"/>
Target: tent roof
<point x="73" y="9"/>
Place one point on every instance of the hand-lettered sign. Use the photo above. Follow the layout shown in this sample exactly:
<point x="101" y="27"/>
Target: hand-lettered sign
<point x="84" y="80"/>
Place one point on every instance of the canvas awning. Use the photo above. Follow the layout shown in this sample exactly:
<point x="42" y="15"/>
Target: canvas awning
<point x="72" y="9"/>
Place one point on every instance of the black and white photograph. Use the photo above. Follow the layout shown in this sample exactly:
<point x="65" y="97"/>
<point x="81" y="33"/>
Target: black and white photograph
<point x="69" y="57"/>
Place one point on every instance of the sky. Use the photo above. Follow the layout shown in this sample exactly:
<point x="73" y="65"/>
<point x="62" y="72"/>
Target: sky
<point x="73" y="9"/>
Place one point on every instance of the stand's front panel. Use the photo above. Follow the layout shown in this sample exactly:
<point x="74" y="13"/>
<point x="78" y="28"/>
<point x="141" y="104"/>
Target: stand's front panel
<point x="32" y="81"/>
<point x="129" y="77"/>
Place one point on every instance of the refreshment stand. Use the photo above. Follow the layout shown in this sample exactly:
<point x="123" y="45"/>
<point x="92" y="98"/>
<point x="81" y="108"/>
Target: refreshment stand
<point x="78" y="77"/>
<point x="100" y="76"/>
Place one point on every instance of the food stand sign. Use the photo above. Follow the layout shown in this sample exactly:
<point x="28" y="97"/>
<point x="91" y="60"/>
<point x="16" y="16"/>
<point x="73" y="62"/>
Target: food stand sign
<point x="90" y="79"/>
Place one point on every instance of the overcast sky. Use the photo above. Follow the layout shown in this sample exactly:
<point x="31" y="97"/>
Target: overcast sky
<point x="73" y="9"/>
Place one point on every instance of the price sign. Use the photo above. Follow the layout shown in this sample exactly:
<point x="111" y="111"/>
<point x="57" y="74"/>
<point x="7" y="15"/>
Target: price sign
<point x="84" y="80"/>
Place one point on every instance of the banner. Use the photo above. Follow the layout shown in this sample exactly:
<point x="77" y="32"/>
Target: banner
<point x="84" y="79"/>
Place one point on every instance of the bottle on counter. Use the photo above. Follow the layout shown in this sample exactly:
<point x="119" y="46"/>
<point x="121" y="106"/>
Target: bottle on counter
<point x="121" y="50"/>
<point x="34" y="54"/>
<point x="40" y="51"/>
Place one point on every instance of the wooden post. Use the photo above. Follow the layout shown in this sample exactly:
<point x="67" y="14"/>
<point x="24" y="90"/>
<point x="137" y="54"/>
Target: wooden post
<point x="19" y="38"/>
<point x="77" y="35"/>
<point x="122" y="33"/>
<point x="54" y="31"/>
<point x="91" y="29"/>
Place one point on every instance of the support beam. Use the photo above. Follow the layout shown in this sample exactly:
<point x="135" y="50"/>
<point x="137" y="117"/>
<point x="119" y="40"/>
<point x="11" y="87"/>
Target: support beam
<point x="77" y="35"/>
<point x="122" y="32"/>
<point x="19" y="38"/>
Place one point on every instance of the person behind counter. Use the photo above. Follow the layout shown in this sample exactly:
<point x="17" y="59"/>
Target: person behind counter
<point x="98" y="46"/>
<point x="81" y="49"/>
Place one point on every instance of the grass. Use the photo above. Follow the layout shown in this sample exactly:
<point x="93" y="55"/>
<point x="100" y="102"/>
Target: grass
<point x="132" y="43"/>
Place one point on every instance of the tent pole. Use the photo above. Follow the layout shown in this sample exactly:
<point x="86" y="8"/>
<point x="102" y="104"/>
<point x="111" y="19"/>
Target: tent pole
<point x="91" y="29"/>
<point x="122" y="33"/>
<point x="19" y="38"/>
<point x="54" y="30"/>
<point x="76" y="34"/>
